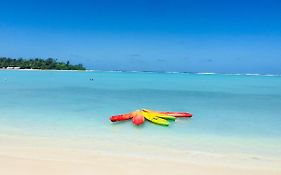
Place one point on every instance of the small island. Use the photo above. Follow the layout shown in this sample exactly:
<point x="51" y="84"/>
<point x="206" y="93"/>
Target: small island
<point x="38" y="63"/>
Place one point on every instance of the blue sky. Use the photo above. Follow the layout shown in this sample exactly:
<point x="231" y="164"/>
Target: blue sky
<point x="158" y="35"/>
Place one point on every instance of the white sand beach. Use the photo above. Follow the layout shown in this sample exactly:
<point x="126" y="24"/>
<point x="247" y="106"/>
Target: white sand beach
<point x="105" y="164"/>
<point x="29" y="156"/>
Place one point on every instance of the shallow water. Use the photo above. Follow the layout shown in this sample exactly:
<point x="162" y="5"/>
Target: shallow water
<point x="232" y="113"/>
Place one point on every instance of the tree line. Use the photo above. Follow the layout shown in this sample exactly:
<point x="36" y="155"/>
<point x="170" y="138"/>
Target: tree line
<point x="39" y="63"/>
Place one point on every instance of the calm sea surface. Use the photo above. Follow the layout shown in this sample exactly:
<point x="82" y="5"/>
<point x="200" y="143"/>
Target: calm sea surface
<point x="232" y="113"/>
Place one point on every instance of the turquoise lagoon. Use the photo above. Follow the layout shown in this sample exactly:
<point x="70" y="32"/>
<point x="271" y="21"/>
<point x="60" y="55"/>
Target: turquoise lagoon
<point x="233" y="114"/>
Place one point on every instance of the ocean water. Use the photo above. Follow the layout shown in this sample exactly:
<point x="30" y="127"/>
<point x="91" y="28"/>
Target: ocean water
<point x="239" y="114"/>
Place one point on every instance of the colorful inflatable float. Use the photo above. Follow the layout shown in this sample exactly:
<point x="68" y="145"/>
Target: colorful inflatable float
<point x="158" y="117"/>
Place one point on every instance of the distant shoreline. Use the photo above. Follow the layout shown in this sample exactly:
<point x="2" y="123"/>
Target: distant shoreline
<point x="37" y="63"/>
<point x="5" y="69"/>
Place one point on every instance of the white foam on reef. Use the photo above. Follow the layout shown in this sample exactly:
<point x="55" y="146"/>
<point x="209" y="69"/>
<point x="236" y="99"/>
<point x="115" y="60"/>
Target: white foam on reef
<point x="271" y="75"/>
<point x="163" y="72"/>
<point x="116" y="71"/>
<point x="253" y="74"/>
<point x="265" y="75"/>
<point x="249" y="74"/>
<point x="174" y="72"/>
<point x="195" y="73"/>
<point x="168" y="72"/>
<point x="206" y="73"/>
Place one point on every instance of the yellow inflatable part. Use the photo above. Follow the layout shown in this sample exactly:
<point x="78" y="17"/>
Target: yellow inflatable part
<point x="154" y="119"/>
<point x="156" y="114"/>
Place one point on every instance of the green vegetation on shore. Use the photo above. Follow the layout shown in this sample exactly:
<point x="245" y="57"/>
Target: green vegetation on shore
<point x="38" y="63"/>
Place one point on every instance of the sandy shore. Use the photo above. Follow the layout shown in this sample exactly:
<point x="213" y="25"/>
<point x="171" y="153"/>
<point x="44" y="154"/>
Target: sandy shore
<point x="27" y="156"/>
<point x="105" y="164"/>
